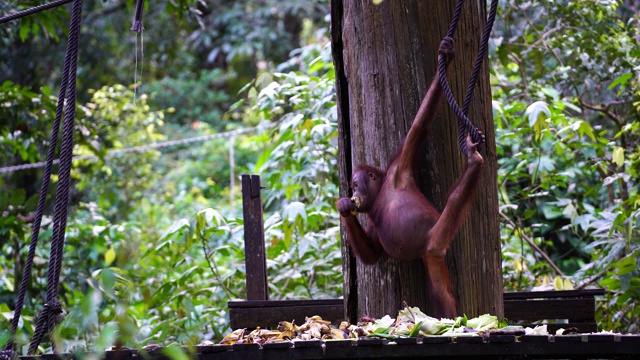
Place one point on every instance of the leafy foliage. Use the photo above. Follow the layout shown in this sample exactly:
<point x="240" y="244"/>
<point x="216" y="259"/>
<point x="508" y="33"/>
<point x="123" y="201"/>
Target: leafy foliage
<point x="569" y="167"/>
<point x="116" y="293"/>
<point x="298" y="171"/>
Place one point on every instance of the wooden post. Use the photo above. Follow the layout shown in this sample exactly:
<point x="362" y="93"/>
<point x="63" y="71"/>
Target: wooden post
<point x="257" y="309"/>
<point x="254" y="249"/>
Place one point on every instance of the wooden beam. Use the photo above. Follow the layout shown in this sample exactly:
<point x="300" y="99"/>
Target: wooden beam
<point x="254" y="248"/>
<point x="267" y="314"/>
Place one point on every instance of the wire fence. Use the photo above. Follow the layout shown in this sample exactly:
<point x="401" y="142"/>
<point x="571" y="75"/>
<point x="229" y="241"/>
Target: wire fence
<point x="153" y="146"/>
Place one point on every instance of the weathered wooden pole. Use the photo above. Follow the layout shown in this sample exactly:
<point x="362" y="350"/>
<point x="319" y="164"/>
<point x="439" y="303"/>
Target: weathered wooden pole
<point x="385" y="58"/>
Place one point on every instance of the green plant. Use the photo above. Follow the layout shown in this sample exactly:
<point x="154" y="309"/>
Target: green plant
<point x="566" y="98"/>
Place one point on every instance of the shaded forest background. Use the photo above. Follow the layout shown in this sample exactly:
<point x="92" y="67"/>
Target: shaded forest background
<point x="154" y="243"/>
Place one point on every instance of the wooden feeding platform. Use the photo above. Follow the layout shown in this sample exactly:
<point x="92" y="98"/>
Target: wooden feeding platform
<point x="566" y="309"/>
<point x="491" y="347"/>
<point x="559" y="309"/>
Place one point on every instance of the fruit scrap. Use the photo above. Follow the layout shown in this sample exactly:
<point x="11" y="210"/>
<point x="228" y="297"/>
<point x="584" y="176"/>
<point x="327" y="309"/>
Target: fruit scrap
<point x="313" y="328"/>
<point x="233" y="337"/>
<point x="410" y="322"/>
<point x="356" y="202"/>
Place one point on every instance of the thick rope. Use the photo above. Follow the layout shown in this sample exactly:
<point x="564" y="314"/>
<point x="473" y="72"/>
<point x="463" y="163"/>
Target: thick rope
<point x="8" y="355"/>
<point x="484" y="45"/>
<point x="465" y="125"/>
<point x="47" y="320"/>
<point x="26" y="276"/>
<point x="33" y="10"/>
<point x="49" y="317"/>
<point x="482" y="51"/>
<point x="137" y="21"/>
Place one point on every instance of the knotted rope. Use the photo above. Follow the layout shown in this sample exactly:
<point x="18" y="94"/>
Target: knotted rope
<point x="50" y="315"/>
<point x="465" y="125"/>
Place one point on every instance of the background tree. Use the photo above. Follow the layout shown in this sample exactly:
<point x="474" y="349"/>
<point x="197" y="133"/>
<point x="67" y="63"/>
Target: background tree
<point x="386" y="56"/>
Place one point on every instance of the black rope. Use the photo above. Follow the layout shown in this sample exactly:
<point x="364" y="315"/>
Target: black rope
<point x="33" y="10"/>
<point x="50" y="315"/>
<point x="137" y="22"/>
<point x="8" y="355"/>
<point x="465" y="125"/>
<point x="43" y="195"/>
<point x="484" y="45"/>
<point x="47" y="320"/>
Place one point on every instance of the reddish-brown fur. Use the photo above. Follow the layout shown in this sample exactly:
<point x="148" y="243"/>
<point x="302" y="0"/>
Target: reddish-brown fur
<point x="401" y="221"/>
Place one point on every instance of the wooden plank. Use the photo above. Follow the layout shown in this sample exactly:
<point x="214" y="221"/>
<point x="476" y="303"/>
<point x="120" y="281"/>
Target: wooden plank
<point x="282" y="303"/>
<point x="573" y="347"/>
<point x="585" y="327"/>
<point x="572" y="309"/>
<point x="517" y="311"/>
<point x="255" y="254"/>
<point x="269" y="316"/>
<point x="552" y="294"/>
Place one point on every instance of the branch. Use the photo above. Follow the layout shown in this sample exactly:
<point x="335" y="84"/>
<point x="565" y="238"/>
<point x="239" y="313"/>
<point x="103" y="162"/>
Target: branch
<point x="595" y="277"/>
<point x="603" y="109"/>
<point x="602" y="273"/>
<point x="534" y="246"/>
<point x="214" y="268"/>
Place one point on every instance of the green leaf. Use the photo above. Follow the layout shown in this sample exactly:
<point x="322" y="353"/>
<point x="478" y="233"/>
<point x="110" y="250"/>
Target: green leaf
<point x="621" y="80"/>
<point x="626" y="265"/>
<point x="618" y="156"/>
<point x="611" y="283"/>
<point x="212" y="217"/>
<point x="17" y="197"/>
<point x="293" y="210"/>
<point x="415" y="330"/>
<point x="236" y="105"/>
<point x="570" y="212"/>
<point x="567" y="285"/>
<point x="109" y="256"/>
<point x="551" y="211"/>
<point x="582" y="128"/>
<point x="381" y="331"/>
<point x="175" y="228"/>
<point x="24" y="32"/>
<point x="538" y="113"/>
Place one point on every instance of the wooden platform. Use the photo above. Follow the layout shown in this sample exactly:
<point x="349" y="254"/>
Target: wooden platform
<point x="559" y="309"/>
<point x="493" y="347"/>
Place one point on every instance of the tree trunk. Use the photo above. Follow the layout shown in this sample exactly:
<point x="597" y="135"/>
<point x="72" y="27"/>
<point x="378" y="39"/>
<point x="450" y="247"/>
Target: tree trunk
<point x="385" y="58"/>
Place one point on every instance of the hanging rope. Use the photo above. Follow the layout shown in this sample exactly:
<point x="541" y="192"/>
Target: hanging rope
<point x="50" y="315"/>
<point x="137" y="20"/>
<point x="33" y="10"/>
<point x="49" y="163"/>
<point x="465" y="125"/>
<point x="138" y="27"/>
<point x="8" y="353"/>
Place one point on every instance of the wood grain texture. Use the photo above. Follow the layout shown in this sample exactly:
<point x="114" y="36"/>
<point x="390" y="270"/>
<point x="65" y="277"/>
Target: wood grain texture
<point x="267" y="314"/>
<point x="385" y="57"/>
<point x="254" y="247"/>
